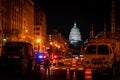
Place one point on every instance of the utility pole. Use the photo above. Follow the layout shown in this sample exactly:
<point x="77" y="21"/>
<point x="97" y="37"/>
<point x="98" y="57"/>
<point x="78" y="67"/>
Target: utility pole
<point x="113" y="18"/>
<point x="104" y="30"/>
<point x="92" y="33"/>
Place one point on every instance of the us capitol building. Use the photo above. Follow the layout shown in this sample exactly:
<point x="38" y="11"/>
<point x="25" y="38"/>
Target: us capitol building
<point x="75" y="40"/>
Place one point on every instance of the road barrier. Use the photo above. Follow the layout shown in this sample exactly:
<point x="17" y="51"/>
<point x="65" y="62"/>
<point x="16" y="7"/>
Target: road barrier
<point x="74" y="75"/>
<point x="68" y="74"/>
<point x="74" y="62"/>
<point x="88" y="74"/>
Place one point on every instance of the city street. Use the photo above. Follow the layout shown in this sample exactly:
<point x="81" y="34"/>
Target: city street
<point x="60" y="73"/>
<point x="59" y="40"/>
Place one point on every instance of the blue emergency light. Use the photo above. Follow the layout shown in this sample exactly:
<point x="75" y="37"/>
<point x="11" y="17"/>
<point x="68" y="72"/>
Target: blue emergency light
<point x="40" y="56"/>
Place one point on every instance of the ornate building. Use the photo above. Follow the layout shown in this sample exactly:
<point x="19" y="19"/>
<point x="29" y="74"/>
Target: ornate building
<point x="75" y="34"/>
<point x="75" y="40"/>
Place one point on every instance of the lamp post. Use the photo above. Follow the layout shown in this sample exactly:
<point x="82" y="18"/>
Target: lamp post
<point x="38" y="41"/>
<point x="51" y="49"/>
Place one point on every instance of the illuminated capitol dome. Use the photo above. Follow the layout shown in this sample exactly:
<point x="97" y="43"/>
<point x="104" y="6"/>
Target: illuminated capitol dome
<point x="75" y="35"/>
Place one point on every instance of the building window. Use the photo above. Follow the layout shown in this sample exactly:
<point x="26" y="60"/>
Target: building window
<point x="37" y="33"/>
<point x="37" y="23"/>
<point x="37" y="28"/>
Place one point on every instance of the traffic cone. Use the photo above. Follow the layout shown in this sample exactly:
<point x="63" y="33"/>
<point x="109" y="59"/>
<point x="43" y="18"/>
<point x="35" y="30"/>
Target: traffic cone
<point x="47" y="72"/>
<point x="88" y="74"/>
<point x="74" y="75"/>
<point x="68" y="74"/>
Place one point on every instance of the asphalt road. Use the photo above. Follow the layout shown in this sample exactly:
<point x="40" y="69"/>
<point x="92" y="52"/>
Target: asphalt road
<point x="57" y="73"/>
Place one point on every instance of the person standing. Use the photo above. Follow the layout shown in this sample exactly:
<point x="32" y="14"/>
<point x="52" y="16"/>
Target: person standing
<point x="47" y="66"/>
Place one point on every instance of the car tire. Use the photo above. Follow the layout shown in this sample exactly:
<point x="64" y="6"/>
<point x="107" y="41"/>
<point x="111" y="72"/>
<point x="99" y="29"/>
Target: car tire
<point x="24" y="67"/>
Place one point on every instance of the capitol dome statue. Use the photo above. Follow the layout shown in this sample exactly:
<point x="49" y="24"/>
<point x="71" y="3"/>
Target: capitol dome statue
<point x="75" y="35"/>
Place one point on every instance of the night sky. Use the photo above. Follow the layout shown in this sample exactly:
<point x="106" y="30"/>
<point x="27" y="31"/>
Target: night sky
<point x="61" y="15"/>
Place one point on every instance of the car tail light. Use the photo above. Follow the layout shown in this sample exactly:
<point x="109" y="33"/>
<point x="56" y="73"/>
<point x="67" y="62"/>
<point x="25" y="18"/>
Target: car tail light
<point x="44" y="57"/>
<point x="55" y="56"/>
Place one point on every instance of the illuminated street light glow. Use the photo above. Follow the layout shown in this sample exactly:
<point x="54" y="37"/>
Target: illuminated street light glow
<point x="58" y="46"/>
<point x="26" y="30"/>
<point x="38" y="40"/>
<point x="4" y="39"/>
<point x="51" y="43"/>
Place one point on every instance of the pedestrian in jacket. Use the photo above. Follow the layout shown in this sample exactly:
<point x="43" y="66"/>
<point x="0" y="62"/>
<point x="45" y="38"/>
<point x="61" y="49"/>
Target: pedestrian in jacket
<point x="47" y="65"/>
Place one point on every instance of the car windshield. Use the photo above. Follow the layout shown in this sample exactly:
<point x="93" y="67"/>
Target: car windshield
<point x="103" y="49"/>
<point x="91" y="49"/>
<point x="11" y="50"/>
<point x="59" y="58"/>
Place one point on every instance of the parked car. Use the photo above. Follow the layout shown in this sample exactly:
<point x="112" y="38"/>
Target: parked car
<point x="59" y="60"/>
<point x="40" y="58"/>
<point x="17" y="56"/>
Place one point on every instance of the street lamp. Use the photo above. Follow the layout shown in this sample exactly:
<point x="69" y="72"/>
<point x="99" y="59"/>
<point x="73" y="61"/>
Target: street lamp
<point x="51" y="43"/>
<point x="38" y="41"/>
<point x="51" y="49"/>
